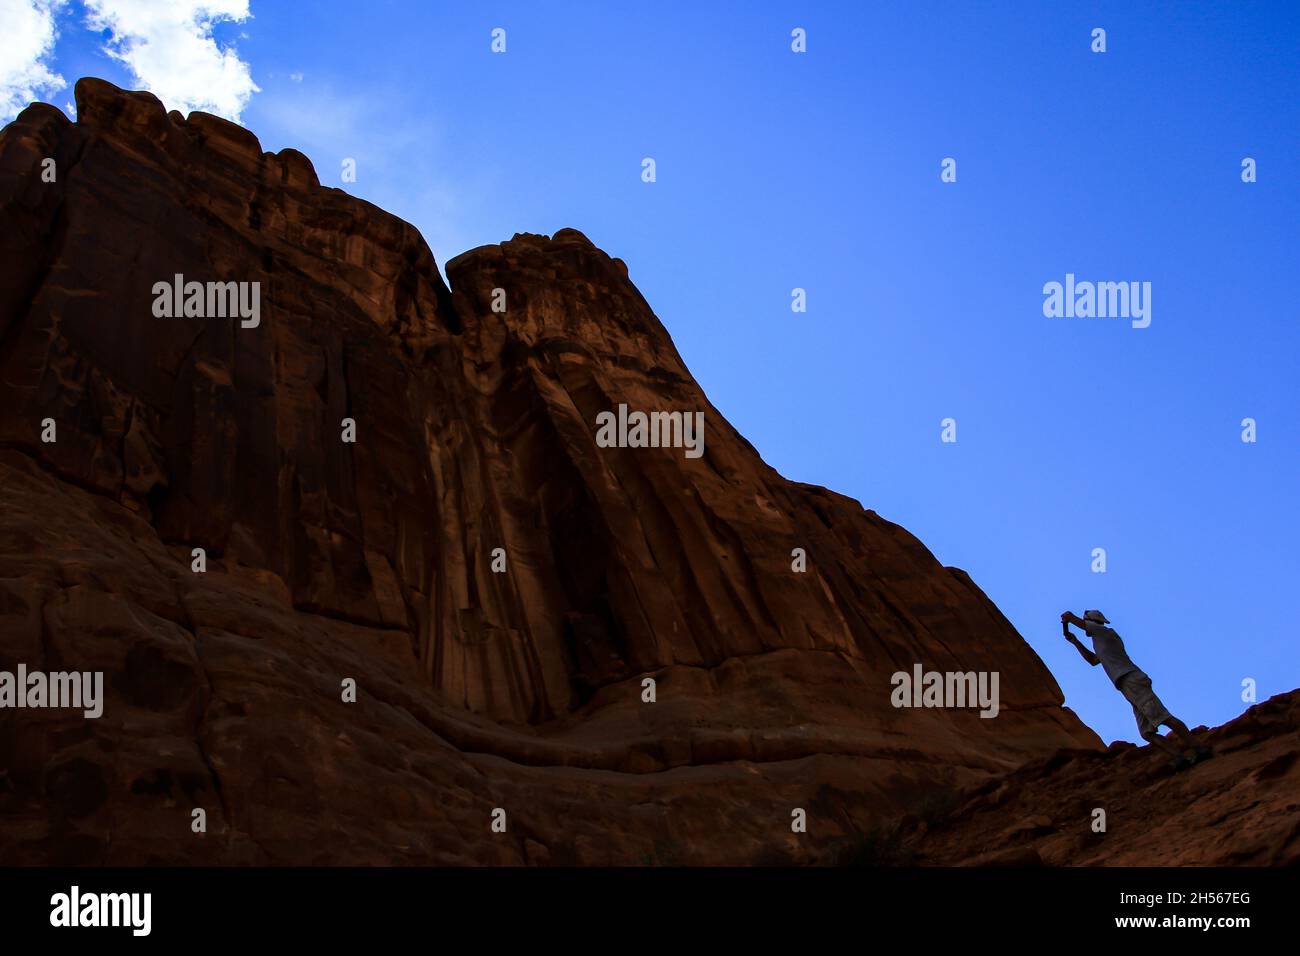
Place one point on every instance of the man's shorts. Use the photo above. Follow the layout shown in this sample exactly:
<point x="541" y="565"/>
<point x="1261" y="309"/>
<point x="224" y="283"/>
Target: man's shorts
<point x="1147" y="708"/>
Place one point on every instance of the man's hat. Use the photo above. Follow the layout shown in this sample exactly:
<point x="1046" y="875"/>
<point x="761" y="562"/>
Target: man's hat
<point x="1096" y="616"/>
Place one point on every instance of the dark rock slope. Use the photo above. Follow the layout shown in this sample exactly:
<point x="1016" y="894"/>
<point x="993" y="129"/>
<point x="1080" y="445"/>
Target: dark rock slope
<point x="1239" y="808"/>
<point x="373" y="560"/>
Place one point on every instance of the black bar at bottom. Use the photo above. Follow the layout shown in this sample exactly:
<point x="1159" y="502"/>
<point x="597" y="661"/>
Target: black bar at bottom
<point x="437" y="905"/>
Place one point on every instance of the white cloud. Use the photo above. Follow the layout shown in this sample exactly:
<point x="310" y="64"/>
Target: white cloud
<point x="27" y="36"/>
<point x="296" y="77"/>
<point x="169" y="47"/>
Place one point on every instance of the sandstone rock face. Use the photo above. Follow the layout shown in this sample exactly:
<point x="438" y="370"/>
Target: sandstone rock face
<point x="1239" y="808"/>
<point x="374" y="560"/>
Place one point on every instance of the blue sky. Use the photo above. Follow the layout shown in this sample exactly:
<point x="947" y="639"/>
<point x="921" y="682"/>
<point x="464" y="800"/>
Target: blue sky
<point x="820" y="170"/>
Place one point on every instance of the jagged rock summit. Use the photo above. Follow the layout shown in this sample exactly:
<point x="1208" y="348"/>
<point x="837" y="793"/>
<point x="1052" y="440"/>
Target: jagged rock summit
<point x="372" y="561"/>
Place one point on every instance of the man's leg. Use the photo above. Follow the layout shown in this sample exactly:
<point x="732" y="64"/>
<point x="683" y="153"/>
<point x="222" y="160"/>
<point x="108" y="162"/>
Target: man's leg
<point x="1151" y="712"/>
<point x="1147" y="711"/>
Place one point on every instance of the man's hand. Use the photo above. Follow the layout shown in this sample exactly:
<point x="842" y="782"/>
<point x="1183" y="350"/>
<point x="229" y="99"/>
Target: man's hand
<point x="1065" y="616"/>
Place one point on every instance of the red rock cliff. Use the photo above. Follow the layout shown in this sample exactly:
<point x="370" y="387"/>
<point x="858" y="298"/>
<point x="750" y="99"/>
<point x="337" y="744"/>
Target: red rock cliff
<point x="372" y="560"/>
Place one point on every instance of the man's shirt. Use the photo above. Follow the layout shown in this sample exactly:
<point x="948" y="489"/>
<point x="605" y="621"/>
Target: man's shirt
<point x="1108" y="646"/>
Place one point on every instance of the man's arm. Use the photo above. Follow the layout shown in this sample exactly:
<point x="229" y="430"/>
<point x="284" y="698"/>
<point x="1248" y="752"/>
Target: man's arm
<point x="1066" y="620"/>
<point x="1068" y="617"/>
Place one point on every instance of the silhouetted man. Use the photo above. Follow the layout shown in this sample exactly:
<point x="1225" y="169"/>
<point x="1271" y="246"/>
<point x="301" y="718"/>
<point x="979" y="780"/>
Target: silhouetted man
<point x="1108" y="651"/>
